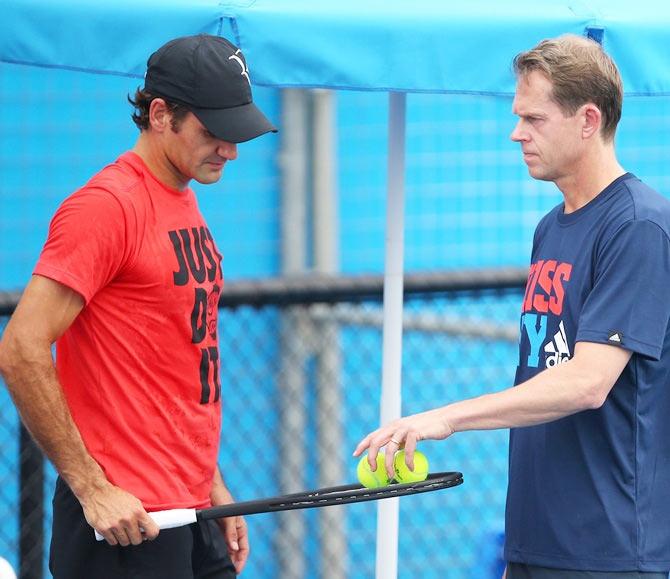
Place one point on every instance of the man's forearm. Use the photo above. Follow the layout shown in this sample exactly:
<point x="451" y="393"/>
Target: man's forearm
<point x="220" y="494"/>
<point x="583" y="383"/>
<point x="535" y="402"/>
<point x="33" y="384"/>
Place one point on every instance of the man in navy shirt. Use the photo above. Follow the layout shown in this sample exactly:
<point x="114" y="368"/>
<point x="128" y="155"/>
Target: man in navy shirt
<point x="589" y="476"/>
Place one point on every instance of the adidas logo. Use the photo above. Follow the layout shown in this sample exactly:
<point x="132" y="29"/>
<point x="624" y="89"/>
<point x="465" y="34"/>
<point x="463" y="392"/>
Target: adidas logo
<point x="615" y="338"/>
<point x="557" y="350"/>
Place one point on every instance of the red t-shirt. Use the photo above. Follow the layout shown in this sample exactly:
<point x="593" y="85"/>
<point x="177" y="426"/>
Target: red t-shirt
<point x="140" y="364"/>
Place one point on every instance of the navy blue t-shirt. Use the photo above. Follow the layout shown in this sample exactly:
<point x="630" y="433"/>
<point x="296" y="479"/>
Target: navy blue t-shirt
<point x="591" y="491"/>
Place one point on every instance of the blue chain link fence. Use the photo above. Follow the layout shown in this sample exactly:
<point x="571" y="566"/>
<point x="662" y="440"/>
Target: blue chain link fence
<point x="301" y="385"/>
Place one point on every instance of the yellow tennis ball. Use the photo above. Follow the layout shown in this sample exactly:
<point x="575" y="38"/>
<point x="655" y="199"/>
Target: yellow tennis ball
<point x="372" y="479"/>
<point x="402" y="472"/>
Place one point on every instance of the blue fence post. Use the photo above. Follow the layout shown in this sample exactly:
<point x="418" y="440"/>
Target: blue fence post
<point x="31" y="510"/>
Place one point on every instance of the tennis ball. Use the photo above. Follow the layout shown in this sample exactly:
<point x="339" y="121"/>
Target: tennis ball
<point x="402" y="472"/>
<point x="372" y="479"/>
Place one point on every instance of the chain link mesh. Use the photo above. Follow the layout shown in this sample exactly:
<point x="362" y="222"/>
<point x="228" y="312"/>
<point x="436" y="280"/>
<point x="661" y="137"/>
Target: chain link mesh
<point x="301" y="385"/>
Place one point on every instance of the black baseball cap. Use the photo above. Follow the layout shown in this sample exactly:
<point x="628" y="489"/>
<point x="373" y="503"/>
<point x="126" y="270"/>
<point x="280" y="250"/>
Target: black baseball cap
<point x="209" y="76"/>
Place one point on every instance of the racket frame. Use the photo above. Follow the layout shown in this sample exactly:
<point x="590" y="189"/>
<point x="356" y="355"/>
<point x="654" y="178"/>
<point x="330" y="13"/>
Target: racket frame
<point x="330" y="496"/>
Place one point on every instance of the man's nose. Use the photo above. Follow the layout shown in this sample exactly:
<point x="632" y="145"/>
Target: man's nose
<point x="517" y="133"/>
<point x="227" y="150"/>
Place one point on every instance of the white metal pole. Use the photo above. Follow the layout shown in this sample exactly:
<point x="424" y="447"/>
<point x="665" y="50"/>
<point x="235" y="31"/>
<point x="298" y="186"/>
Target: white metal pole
<point x="388" y="510"/>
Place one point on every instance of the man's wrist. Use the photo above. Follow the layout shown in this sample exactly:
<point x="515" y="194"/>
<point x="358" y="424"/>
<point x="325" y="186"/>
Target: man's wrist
<point x="87" y="483"/>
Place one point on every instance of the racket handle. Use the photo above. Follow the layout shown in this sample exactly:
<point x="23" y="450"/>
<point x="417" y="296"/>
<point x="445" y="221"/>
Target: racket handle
<point x="168" y="519"/>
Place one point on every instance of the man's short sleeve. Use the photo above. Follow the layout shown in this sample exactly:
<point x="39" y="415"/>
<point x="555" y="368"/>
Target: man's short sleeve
<point x="628" y="305"/>
<point x="86" y="244"/>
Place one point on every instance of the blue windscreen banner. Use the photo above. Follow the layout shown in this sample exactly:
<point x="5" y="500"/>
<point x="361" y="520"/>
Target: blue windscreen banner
<point x="374" y="45"/>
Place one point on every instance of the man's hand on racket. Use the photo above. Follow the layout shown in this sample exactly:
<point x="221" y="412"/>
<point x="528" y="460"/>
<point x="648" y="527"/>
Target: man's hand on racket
<point x="234" y="529"/>
<point x="118" y="516"/>
<point x="405" y="433"/>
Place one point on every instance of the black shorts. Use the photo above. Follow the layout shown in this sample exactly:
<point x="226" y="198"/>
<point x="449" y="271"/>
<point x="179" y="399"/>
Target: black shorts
<point x="196" y="551"/>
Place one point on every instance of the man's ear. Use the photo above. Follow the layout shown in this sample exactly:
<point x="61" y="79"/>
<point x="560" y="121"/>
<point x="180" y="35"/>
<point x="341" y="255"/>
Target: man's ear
<point x="159" y="115"/>
<point x="592" y="120"/>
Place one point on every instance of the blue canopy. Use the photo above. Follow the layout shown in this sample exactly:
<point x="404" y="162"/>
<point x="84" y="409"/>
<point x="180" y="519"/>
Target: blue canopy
<point x="420" y="46"/>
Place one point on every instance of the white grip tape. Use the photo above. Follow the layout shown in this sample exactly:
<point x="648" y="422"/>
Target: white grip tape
<point x="167" y="519"/>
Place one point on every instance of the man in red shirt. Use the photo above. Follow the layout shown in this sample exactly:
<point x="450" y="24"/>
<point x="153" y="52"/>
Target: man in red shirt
<point x="127" y="286"/>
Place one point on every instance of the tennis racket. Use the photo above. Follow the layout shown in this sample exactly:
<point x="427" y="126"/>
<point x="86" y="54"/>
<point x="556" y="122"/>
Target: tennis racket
<point x="324" y="497"/>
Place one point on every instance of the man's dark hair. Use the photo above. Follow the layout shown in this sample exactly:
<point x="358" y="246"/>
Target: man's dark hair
<point x="142" y="102"/>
